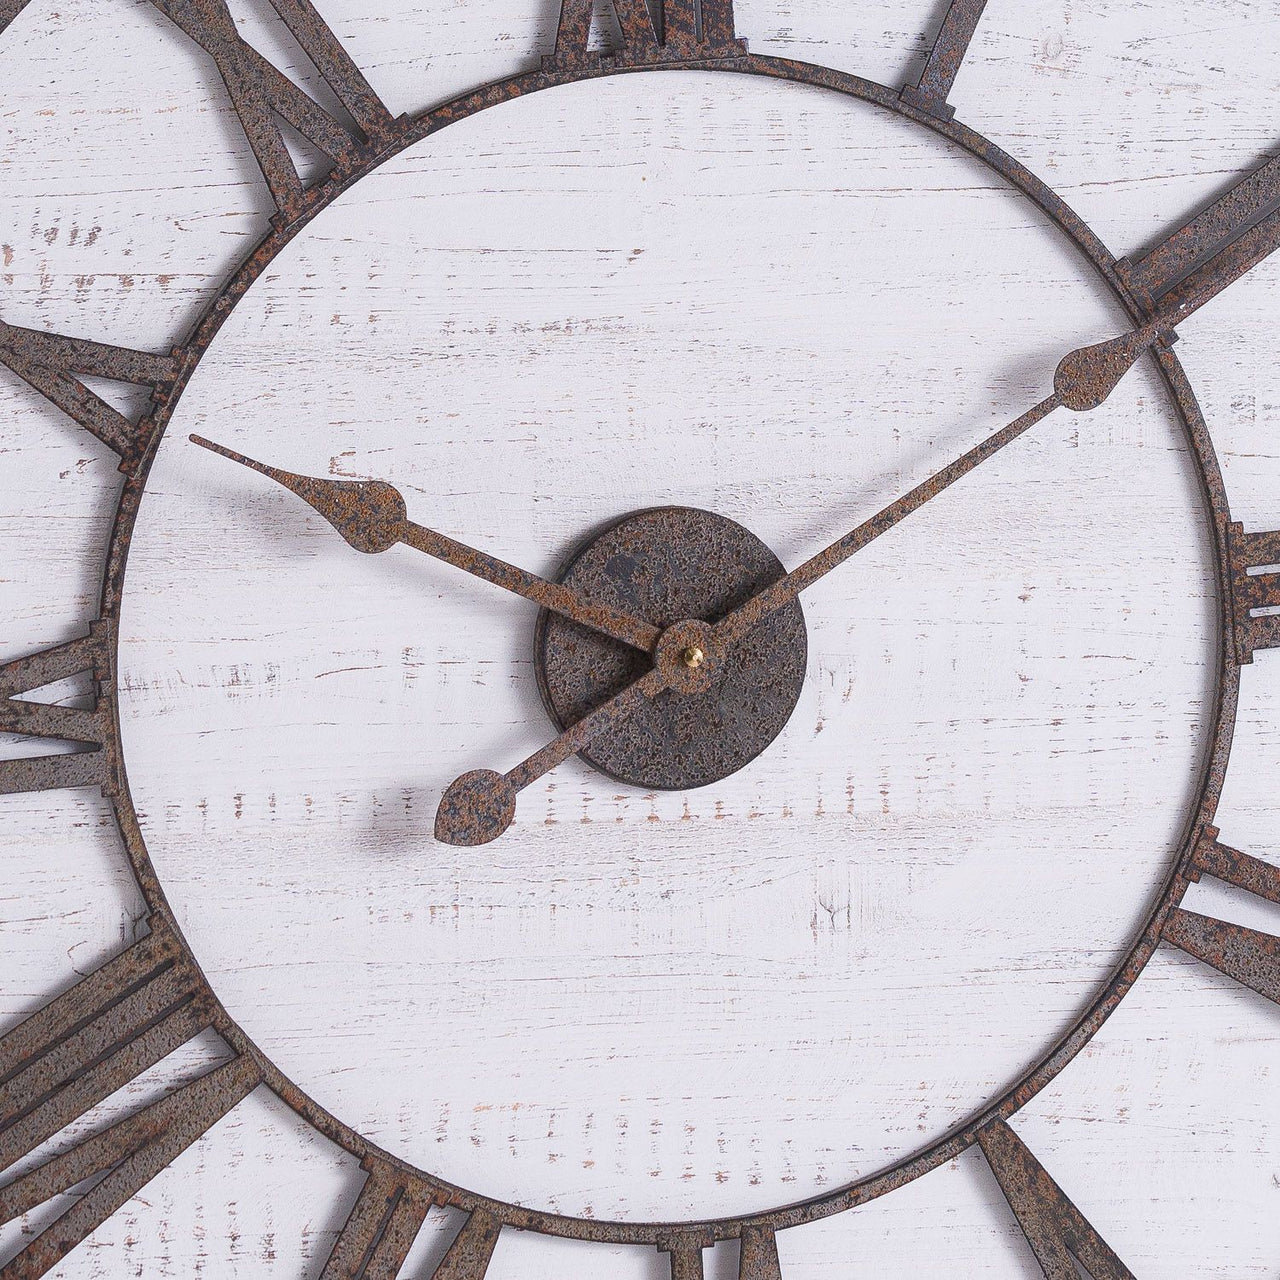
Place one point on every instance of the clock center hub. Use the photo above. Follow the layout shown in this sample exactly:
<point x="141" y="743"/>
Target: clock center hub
<point x="687" y="656"/>
<point x="682" y="569"/>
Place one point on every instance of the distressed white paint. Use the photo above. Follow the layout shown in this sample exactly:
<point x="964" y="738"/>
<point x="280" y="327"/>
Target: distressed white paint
<point x="1165" y="1130"/>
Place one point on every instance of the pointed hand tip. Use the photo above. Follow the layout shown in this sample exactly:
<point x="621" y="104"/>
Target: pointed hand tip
<point x="219" y="449"/>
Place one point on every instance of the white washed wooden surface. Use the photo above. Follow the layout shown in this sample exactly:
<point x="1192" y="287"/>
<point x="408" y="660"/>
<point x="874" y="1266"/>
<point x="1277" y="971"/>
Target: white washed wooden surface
<point x="659" y="1005"/>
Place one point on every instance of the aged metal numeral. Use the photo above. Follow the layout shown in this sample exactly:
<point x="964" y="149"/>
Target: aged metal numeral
<point x="95" y="1038"/>
<point x="49" y="362"/>
<point x="380" y="1231"/>
<point x="1249" y="956"/>
<point x="9" y="9"/>
<point x="759" y="1259"/>
<point x="931" y="91"/>
<point x="130" y="1153"/>
<point x="96" y="764"/>
<point x="260" y="93"/>
<point x="469" y="1255"/>
<point x="674" y="31"/>
<point x="686" y="1255"/>
<point x="1253" y="593"/>
<point x="1211" y="250"/>
<point x="1056" y="1230"/>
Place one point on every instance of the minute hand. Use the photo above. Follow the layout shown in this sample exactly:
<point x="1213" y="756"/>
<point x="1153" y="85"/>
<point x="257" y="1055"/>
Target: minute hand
<point x="1083" y="381"/>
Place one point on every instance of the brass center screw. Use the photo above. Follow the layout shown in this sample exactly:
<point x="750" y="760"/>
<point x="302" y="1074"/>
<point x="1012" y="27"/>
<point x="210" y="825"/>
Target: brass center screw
<point x="693" y="657"/>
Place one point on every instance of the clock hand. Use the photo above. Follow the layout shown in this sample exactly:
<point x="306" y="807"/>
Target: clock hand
<point x="479" y="806"/>
<point x="371" y="516"/>
<point x="1083" y="381"/>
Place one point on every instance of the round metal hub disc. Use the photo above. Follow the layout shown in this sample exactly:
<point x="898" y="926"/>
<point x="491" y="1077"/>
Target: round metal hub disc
<point x="668" y="565"/>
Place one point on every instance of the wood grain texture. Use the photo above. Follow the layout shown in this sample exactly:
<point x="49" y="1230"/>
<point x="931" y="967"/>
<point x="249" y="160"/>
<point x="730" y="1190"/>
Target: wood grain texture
<point x="516" y="275"/>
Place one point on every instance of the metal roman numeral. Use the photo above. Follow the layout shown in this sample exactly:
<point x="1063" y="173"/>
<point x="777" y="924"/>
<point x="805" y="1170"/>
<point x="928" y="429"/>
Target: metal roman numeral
<point x="260" y="93"/>
<point x="1255" y="589"/>
<point x="931" y="91"/>
<point x="130" y="1153"/>
<point x="1249" y="956"/>
<point x="61" y="1062"/>
<point x="759" y="1258"/>
<point x="9" y="9"/>
<point x="670" y="31"/>
<point x="95" y="1038"/>
<point x="377" y="1237"/>
<point x="1211" y="250"/>
<point x="380" y="1231"/>
<point x="50" y="363"/>
<point x="469" y="1255"/>
<point x="686" y="1257"/>
<point x="95" y="765"/>
<point x="1056" y="1230"/>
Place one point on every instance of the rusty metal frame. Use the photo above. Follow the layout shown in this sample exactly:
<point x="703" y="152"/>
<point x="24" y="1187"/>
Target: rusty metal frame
<point x="550" y="77"/>
<point x="406" y="1192"/>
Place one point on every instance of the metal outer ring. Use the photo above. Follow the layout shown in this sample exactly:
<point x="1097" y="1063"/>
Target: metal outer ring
<point x="414" y="129"/>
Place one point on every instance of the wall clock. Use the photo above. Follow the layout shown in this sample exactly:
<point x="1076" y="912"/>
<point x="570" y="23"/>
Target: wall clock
<point x="662" y="667"/>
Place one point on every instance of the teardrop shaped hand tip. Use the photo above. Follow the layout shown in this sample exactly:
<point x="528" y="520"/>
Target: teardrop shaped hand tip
<point x="369" y="514"/>
<point x="475" y="809"/>
<point x="1086" y="377"/>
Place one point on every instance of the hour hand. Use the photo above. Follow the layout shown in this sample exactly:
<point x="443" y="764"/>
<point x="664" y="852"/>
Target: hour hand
<point x="369" y="514"/>
<point x="372" y="517"/>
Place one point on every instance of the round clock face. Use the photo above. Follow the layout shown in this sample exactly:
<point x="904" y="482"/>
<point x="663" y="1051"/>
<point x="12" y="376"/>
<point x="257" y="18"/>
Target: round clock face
<point x="738" y="994"/>
<point x="626" y="664"/>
